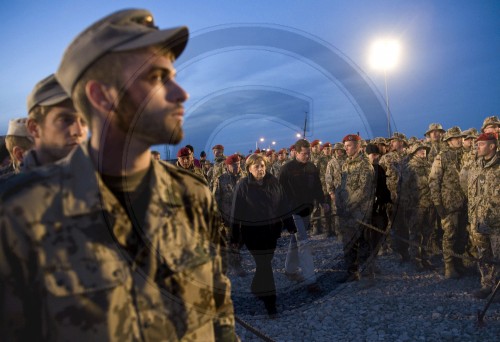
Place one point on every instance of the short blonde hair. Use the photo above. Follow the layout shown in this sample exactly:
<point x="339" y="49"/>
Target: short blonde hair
<point x="254" y="159"/>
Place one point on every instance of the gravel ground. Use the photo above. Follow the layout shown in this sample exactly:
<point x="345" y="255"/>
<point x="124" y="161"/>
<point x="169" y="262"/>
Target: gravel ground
<point x="402" y="305"/>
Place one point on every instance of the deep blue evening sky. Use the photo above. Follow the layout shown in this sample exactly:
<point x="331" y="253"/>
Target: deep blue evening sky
<point x="254" y="68"/>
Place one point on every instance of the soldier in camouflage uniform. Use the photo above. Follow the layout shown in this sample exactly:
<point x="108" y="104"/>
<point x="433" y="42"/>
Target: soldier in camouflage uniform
<point x="484" y="216"/>
<point x="218" y="168"/>
<point x="381" y="144"/>
<point x="354" y="199"/>
<point x="450" y="202"/>
<point x="17" y="141"/>
<point x="276" y="166"/>
<point x="315" y="152"/>
<point x="106" y="244"/>
<point x="393" y="164"/>
<point x="185" y="161"/>
<point x="491" y="125"/>
<point x="223" y="191"/>
<point x="415" y="186"/>
<point x="339" y="153"/>
<point x="435" y="135"/>
<point x="54" y="123"/>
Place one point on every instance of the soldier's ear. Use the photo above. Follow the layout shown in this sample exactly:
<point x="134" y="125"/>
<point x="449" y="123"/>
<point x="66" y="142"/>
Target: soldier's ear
<point x="101" y="96"/>
<point x="33" y="128"/>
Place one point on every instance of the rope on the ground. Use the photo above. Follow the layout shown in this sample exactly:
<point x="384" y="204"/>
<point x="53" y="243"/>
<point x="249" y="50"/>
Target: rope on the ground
<point x="253" y="330"/>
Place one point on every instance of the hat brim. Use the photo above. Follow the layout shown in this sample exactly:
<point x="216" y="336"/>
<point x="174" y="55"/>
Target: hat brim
<point x="432" y="130"/>
<point x="174" y="39"/>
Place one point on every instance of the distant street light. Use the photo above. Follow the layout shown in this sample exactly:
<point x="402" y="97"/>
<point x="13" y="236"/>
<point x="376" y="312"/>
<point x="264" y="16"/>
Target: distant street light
<point x="257" y="143"/>
<point x="298" y="135"/>
<point x="384" y="55"/>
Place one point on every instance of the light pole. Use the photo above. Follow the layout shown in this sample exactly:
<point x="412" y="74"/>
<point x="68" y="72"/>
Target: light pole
<point x="384" y="56"/>
<point x="257" y="142"/>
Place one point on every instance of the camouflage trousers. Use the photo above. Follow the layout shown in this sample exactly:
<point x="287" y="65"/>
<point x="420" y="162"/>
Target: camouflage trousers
<point x="355" y="244"/>
<point x="421" y="226"/>
<point x="488" y="248"/>
<point x="454" y="234"/>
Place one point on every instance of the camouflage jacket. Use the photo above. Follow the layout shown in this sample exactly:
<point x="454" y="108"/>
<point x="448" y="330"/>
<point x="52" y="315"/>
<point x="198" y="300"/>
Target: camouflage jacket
<point x="332" y="175"/>
<point x="484" y="194"/>
<point x="355" y="195"/>
<point x="322" y="165"/>
<point x="223" y="190"/>
<point x="66" y="272"/>
<point x="415" y="183"/>
<point x="435" y="149"/>
<point x="215" y="171"/>
<point x="276" y="167"/>
<point x="315" y="158"/>
<point x="194" y="169"/>
<point x="444" y="180"/>
<point x="393" y="164"/>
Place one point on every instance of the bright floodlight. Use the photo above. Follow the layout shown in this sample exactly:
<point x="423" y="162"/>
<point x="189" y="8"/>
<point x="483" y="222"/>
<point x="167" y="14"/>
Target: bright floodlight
<point x="261" y="139"/>
<point x="298" y="135"/>
<point x="384" y="54"/>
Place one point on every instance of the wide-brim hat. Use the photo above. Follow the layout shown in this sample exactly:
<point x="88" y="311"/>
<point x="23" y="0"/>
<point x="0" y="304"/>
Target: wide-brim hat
<point x="454" y="132"/>
<point x="492" y="120"/>
<point x="124" y="30"/>
<point x="435" y="127"/>
<point x="418" y="146"/>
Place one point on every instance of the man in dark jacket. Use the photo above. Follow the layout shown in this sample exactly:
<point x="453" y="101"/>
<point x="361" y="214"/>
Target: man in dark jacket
<point x="300" y="181"/>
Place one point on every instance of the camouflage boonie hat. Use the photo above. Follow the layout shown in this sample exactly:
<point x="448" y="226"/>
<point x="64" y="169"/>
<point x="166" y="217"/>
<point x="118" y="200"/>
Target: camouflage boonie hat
<point x="454" y="132"/>
<point x="379" y="141"/>
<point x="435" y="127"/>
<point x="398" y="136"/>
<point x="470" y="133"/>
<point x="412" y="140"/>
<point x="417" y="146"/>
<point x="492" y="120"/>
<point x="338" y="146"/>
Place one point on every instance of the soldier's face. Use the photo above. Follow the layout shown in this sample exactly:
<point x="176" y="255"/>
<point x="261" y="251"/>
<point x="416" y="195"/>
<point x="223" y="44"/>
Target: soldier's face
<point x="281" y="156"/>
<point x="396" y="145"/>
<point x="382" y="148"/>
<point x="467" y="143"/>
<point x="435" y="135"/>
<point x="152" y="107"/>
<point x="185" y="162"/>
<point x="422" y="153"/>
<point x="485" y="148"/>
<point x="234" y="168"/>
<point x="492" y="129"/>
<point x="352" y="148"/>
<point x="327" y="151"/>
<point x="304" y="155"/>
<point x="217" y="152"/>
<point x="315" y="149"/>
<point x="455" y="142"/>
<point x="61" y="131"/>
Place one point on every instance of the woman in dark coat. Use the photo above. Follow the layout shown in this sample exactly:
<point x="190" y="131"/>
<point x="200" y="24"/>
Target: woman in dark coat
<point x="259" y="212"/>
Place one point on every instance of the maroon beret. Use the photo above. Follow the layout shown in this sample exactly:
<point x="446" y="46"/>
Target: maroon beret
<point x="351" y="137"/>
<point x="235" y="158"/>
<point x="487" y="137"/>
<point x="314" y="143"/>
<point x="218" y="147"/>
<point x="183" y="152"/>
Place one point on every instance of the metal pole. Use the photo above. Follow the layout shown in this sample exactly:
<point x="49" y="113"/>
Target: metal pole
<point x="387" y="105"/>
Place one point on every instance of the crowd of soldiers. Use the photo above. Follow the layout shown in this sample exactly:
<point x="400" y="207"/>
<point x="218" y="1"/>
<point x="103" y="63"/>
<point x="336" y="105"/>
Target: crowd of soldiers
<point x="101" y="240"/>
<point x="418" y="198"/>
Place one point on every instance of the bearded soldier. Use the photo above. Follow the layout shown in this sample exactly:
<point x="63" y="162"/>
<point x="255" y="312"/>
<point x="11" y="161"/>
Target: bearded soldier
<point x="450" y="202"/>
